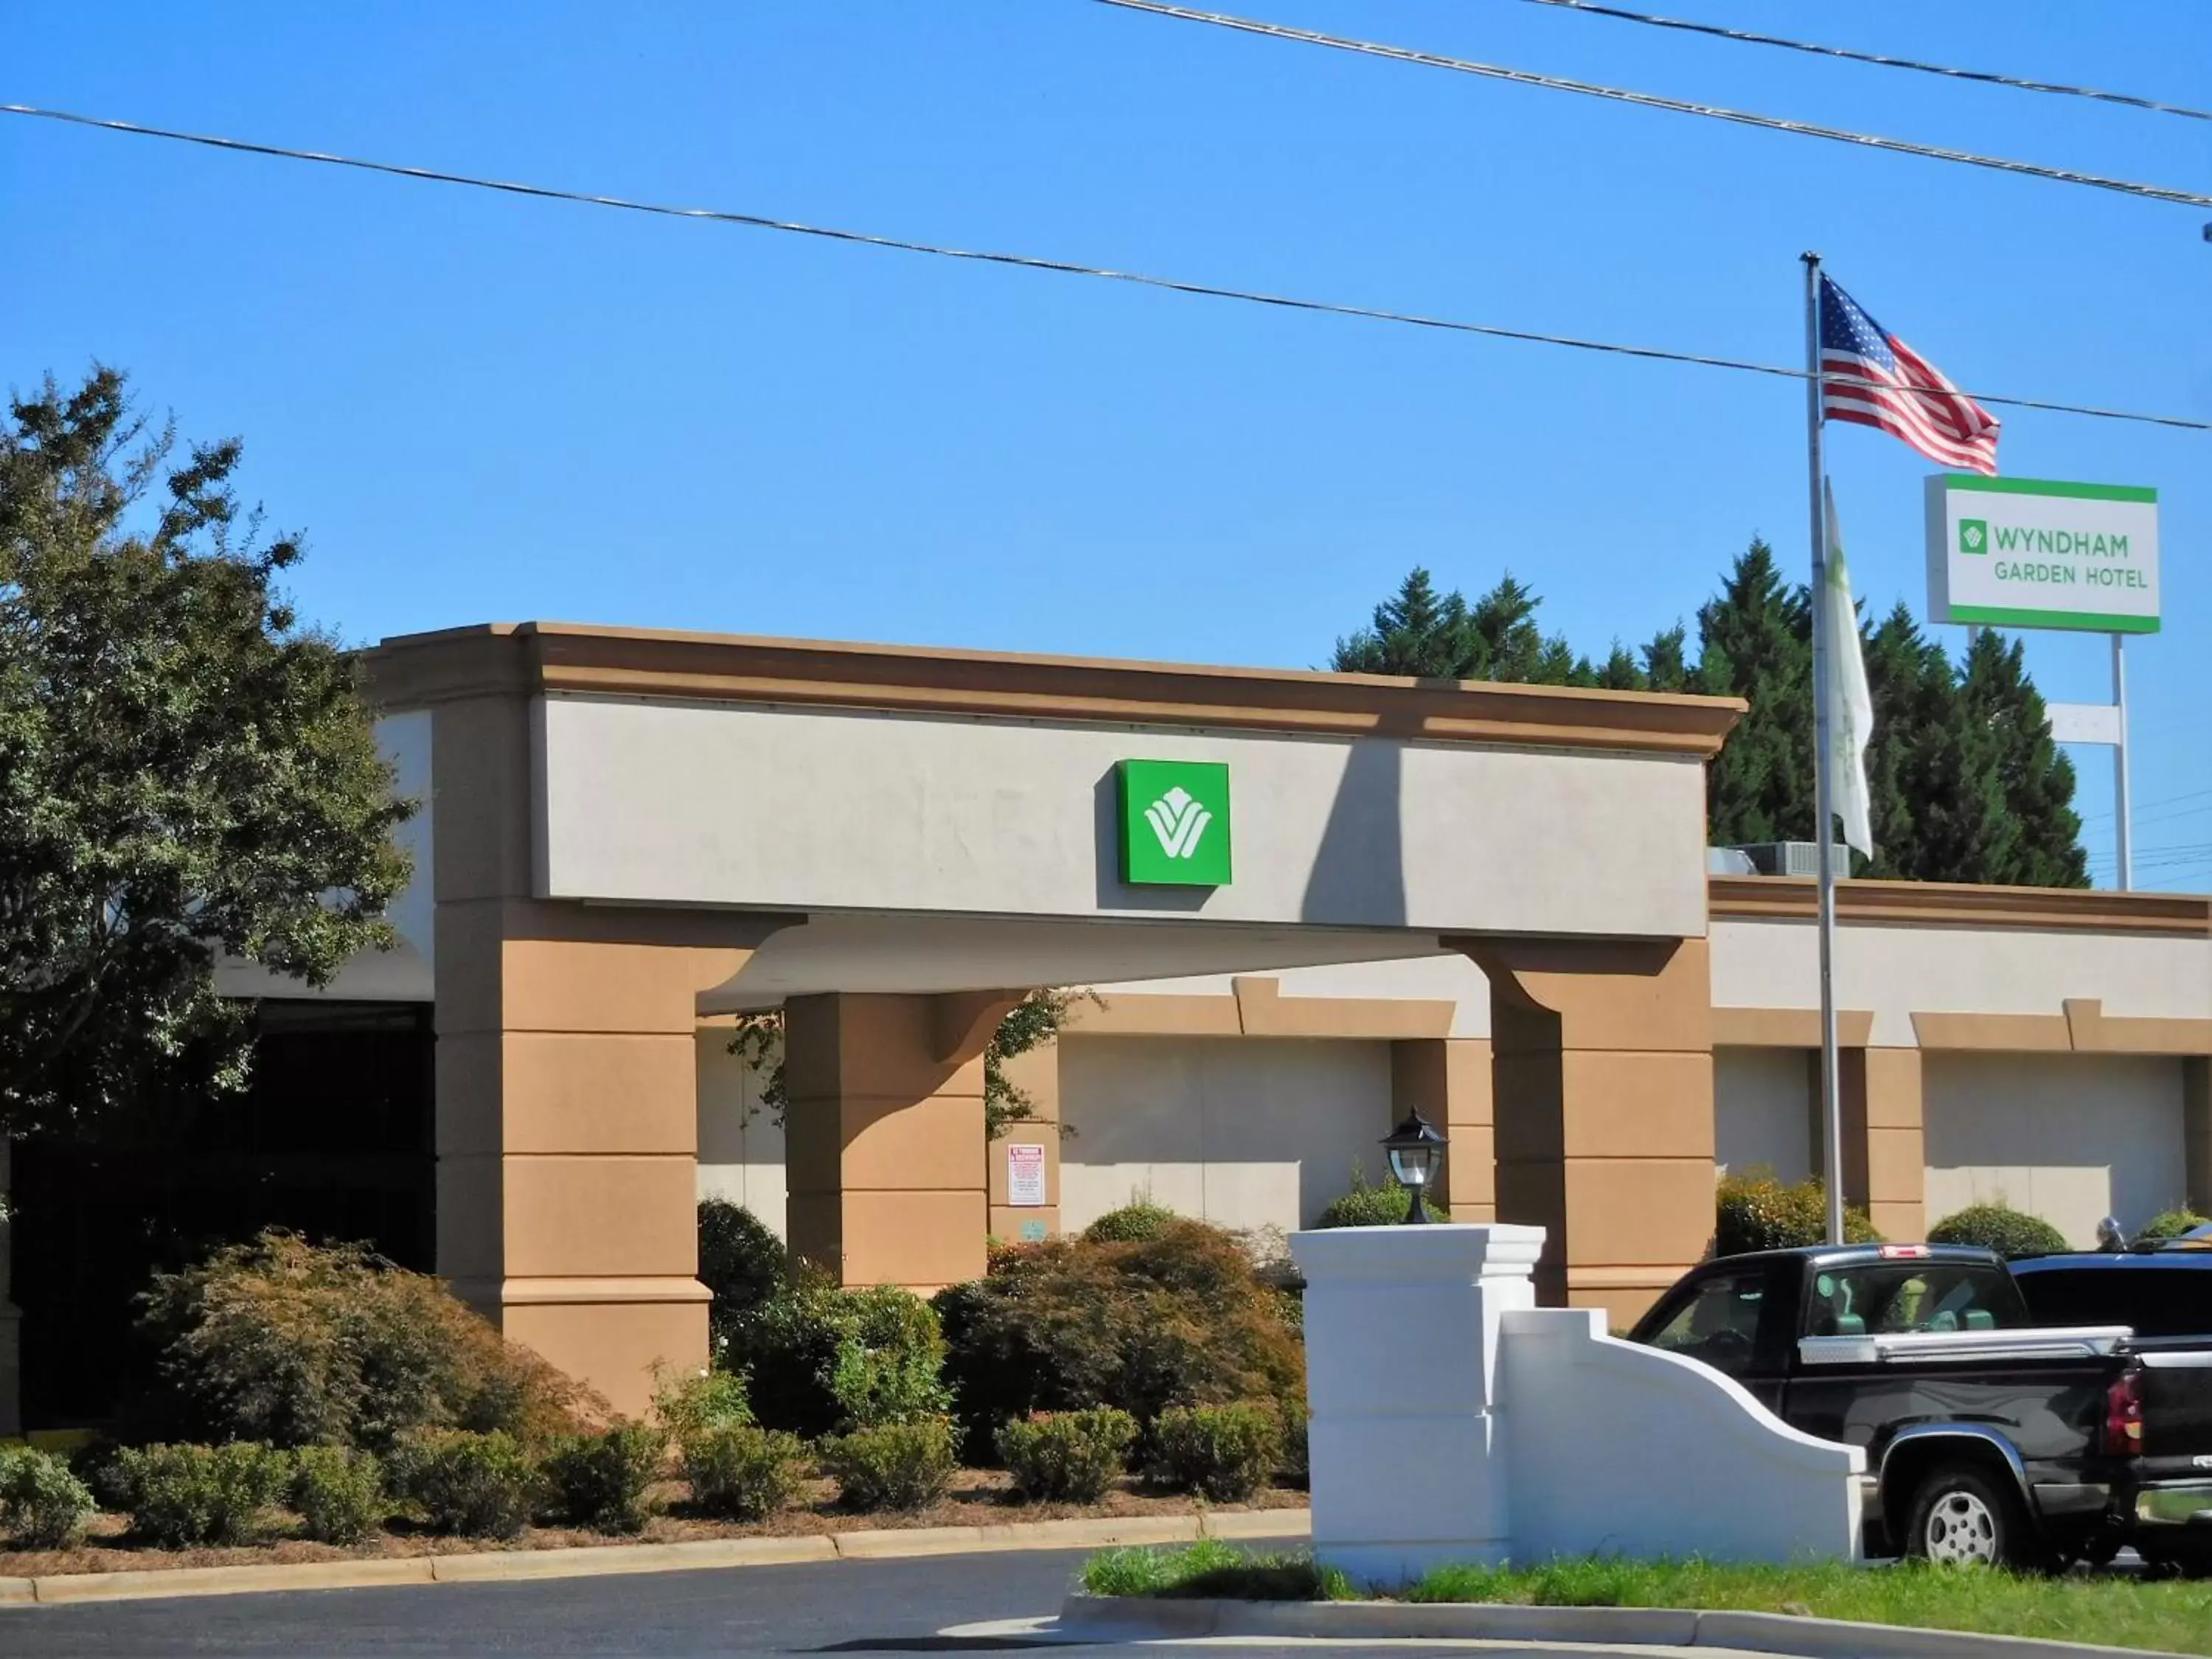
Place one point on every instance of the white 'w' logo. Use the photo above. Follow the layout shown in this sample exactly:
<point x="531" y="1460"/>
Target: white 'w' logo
<point x="1179" y="822"/>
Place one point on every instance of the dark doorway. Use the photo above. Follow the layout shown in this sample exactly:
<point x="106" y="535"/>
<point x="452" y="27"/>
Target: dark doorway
<point x="332" y="1138"/>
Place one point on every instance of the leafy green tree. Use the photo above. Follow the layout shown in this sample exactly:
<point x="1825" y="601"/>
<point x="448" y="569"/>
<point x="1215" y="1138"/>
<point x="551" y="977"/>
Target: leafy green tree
<point x="185" y="769"/>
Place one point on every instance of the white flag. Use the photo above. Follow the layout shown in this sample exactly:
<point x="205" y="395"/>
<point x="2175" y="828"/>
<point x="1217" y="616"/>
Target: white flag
<point x="1850" y="710"/>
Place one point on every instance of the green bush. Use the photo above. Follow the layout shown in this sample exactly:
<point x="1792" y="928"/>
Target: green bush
<point x="2011" y="1233"/>
<point x="338" y="1493"/>
<point x="1180" y="1319"/>
<point x="1387" y="1206"/>
<point x="43" y="1506"/>
<point x="1297" y="1461"/>
<point x="898" y="1466"/>
<point x="693" y="1405"/>
<point x="471" y="1484"/>
<point x="601" y="1480"/>
<point x="1755" y="1211"/>
<point x="818" y="1358"/>
<point x="301" y="1345"/>
<point x="1224" y="1453"/>
<point x="1136" y="1220"/>
<point x="2171" y="1224"/>
<point x="740" y="1261"/>
<point x="1068" y="1457"/>
<point x="741" y="1473"/>
<point x="183" y="1495"/>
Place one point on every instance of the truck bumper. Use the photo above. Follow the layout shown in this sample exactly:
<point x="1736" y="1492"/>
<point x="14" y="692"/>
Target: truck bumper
<point x="2175" y="1503"/>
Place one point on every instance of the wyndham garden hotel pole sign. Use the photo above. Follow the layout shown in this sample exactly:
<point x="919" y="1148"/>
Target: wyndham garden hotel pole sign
<point x="2031" y="553"/>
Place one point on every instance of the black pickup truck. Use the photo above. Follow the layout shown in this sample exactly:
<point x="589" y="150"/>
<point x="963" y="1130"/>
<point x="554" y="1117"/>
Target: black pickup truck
<point x="1989" y="1438"/>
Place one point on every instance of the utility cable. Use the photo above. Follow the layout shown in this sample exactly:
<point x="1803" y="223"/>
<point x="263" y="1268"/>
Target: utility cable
<point x="1652" y="100"/>
<point x="1064" y="267"/>
<point x="1982" y="76"/>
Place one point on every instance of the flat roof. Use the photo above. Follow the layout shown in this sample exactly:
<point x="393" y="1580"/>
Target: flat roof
<point x="532" y="658"/>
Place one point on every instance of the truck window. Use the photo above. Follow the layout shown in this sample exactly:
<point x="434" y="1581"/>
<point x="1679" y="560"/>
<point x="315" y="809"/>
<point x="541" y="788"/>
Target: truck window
<point x="2151" y="1300"/>
<point x="1718" y="1325"/>
<point x="1886" y="1298"/>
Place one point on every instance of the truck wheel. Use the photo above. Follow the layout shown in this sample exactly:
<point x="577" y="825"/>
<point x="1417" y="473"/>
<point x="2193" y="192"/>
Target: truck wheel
<point x="1962" y="1517"/>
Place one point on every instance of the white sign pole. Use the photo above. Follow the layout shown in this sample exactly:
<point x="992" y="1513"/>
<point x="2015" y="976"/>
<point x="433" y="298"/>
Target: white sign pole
<point x="2120" y="764"/>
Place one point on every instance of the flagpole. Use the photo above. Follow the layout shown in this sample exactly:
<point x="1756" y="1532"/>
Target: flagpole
<point x="1832" y="1099"/>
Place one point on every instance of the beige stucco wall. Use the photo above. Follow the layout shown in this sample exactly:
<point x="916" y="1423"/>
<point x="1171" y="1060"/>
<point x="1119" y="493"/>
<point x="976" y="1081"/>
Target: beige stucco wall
<point x="1244" y="1132"/>
<point x="740" y="1142"/>
<point x="1763" y="1111"/>
<point x="661" y="802"/>
<point x="1445" y="978"/>
<point x="2070" y="1137"/>
<point x="1895" y="971"/>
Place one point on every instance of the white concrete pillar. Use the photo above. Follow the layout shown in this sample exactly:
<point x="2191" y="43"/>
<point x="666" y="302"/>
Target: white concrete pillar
<point x="1402" y="1327"/>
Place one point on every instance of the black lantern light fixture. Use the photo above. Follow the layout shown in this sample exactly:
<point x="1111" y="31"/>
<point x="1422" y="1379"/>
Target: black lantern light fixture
<point x="1417" y="1152"/>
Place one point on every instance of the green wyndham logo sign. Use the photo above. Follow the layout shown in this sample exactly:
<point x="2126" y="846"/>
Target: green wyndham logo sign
<point x="1175" y="824"/>
<point x="1973" y="536"/>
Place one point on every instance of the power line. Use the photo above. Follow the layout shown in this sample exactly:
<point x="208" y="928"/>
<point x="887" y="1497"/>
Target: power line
<point x="1984" y="76"/>
<point x="1064" y="267"/>
<point x="1652" y="100"/>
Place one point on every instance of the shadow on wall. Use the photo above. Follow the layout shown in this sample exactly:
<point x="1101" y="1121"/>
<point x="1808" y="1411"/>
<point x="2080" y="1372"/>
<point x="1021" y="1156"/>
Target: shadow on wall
<point x="1360" y="870"/>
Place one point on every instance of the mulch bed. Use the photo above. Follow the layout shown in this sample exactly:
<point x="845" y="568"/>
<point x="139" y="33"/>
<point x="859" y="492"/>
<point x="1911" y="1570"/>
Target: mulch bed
<point x="977" y="1498"/>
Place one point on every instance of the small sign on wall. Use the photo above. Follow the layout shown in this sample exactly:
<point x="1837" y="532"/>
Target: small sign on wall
<point x="1024" y="1176"/>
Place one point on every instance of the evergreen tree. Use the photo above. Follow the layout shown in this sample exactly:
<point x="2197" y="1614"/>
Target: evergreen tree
<point x="1755" y="642"/>
<point x="2033" y="782"/>
<point x="1967" y="783"/>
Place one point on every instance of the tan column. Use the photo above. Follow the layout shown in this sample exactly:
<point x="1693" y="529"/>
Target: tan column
<point x="883" y="1137"/>
<point x="1884" y="1161"/>
<point x="1603" y="1074"/>
<point x="2197" y="1129"/>
<point x="1447" y="1079"/>
<point x="1036" y="1074"/>
<point x="567" y="1086"/>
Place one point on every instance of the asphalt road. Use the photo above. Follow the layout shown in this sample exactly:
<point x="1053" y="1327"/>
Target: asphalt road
<point x="826" y="1608"/>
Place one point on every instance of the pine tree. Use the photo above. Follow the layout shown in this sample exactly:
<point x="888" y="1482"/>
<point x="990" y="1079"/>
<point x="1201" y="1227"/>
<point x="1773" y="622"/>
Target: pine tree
<point x="2033" y="782"/>
<point x="1967" y="783"/>
<point x="1755" y="642"/>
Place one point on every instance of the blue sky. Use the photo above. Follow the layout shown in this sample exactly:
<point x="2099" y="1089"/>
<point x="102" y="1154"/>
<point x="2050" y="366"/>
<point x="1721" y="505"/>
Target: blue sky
<point x="487" y="408"/>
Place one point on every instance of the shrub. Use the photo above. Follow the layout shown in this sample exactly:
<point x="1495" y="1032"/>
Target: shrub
<point x="300" y="1345"/>
<point x="183" y="1495"/>
<point x="599" y="1480"/>
<point x="1755" y="1211"/>
<point x="1136" y="1220"/>
<point x="476" y="1484"/>
<point x="740" y="1261"/>
<point x="339" y="1494"/>
<point x="1224" y="1453"/>
<point x="2171" y="1224"/>
<point x="1070" y="1457"/>
<point x="742" y="1472"/>
<point x="688" y="1408"/>
<point x="1387" y="1206"/>
<point x="899" y="1466"/>
<point x="882" y="1346"/>
<point x="43" y="1506"/>
<point x="1181" y="1319"/>
<point x="1297" y="1461"/>
<point x="2011" y="1233"/>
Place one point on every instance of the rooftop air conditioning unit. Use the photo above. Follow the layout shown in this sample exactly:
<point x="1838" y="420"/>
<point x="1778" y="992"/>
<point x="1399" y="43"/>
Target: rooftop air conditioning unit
<point x="1792" y="857"/>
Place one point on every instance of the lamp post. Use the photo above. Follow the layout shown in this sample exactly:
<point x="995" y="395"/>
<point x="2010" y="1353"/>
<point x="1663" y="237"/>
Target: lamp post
<point x="1416" y="1148"/>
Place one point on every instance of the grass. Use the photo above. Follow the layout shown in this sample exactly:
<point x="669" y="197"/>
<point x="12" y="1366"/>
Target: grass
<point x="2112" y="1609"/>
<point x="1210" y="1568"/>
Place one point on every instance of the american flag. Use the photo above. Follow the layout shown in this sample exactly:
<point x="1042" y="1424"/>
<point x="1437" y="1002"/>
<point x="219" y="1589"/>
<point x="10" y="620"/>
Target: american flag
<point x="1890" y="386"/>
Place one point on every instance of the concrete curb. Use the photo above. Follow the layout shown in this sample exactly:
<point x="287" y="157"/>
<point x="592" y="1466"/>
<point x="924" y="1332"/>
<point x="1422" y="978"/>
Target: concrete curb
<point x="1138" y="1618"/>
<point x="495" y="1566"/>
